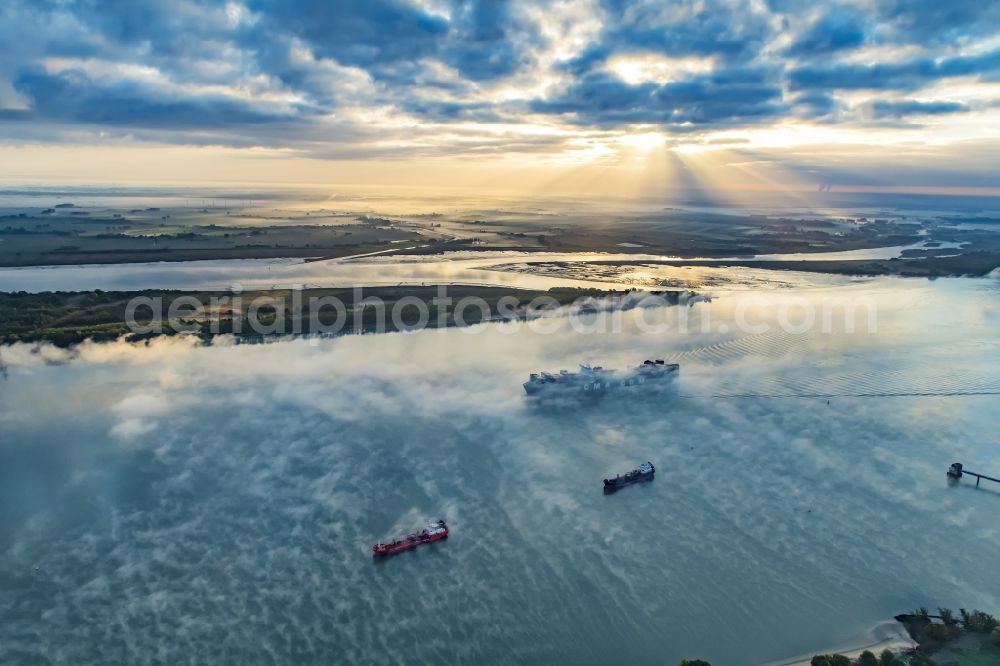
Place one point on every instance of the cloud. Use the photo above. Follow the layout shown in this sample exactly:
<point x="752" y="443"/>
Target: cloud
<point x="832" y="32"/>
<point x="910" y="107"/>
<point x="920" y="20"/>
<point x="730" y="96"/>
<point x="381" y="36"/>
<point x="358" y="78"/>
<point x="733" y="30"/>
<point x="73" y="96"/>
<point x="905" y="75"/>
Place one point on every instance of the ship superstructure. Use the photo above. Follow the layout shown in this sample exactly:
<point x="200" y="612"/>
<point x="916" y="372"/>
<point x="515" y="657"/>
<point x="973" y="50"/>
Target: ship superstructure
<point x="643" y="472"/>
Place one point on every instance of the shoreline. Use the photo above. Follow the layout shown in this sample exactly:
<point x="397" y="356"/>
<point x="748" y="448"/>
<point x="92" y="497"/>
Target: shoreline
<point x="970" y="264"/>
<point x="887" y="635"/>
<point x="69" y="318"/>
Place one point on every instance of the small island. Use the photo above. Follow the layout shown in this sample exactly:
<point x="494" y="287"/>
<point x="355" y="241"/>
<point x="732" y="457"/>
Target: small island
<point x="69" y="318"/>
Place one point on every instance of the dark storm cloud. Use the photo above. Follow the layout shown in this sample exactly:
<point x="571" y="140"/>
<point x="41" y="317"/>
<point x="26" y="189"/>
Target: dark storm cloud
<point x="191" y="69"/>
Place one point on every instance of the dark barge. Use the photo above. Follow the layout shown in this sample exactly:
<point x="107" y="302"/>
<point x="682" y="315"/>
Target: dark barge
<point x="643" y="472"/>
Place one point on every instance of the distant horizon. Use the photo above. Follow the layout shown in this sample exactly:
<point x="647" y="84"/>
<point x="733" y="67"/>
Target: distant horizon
<point x="471" y="177"/>
<point x="331" y="192"/>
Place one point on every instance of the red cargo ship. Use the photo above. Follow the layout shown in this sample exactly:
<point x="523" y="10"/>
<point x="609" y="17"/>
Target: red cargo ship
<point x="431" y="533"/>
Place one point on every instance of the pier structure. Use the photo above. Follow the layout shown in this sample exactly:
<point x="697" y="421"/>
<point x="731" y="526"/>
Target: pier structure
<point x="956" y="471"/>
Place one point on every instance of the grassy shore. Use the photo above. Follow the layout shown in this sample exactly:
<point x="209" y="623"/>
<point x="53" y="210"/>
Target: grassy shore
<point x="973" y="264"/>
<point x="82" y="235"/>
<point x="67" y="318"/>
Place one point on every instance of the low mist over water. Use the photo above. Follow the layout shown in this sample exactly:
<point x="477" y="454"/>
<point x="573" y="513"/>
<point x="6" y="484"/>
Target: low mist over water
<point x="172" y="502"/>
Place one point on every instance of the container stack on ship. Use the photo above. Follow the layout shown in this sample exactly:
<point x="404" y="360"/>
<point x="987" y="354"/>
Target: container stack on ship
<point x="597" y="381"/>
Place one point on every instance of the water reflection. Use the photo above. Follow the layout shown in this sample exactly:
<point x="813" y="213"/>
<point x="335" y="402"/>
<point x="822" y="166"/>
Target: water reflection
<point x="486" y="268"/>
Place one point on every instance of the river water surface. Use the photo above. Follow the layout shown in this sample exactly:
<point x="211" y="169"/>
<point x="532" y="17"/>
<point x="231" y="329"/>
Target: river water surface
<point x="175" y="503"/>
<point x="536" y="270"/>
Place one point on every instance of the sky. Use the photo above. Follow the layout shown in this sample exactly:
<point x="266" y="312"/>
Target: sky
<point x="595" y="95"/>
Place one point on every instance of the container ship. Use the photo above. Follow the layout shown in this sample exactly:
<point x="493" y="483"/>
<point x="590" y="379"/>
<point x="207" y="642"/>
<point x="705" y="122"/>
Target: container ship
<point x="598" y="381"/>
<point x="643" y="472"/>
<point x="431" y="533"/>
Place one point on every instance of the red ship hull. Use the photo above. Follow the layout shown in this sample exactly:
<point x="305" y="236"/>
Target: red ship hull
<point x="429" y="534"/>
